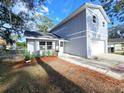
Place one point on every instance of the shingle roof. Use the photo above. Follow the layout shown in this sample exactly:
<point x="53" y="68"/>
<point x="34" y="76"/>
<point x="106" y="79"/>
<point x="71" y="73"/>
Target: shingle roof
<point x="37" y="34"/>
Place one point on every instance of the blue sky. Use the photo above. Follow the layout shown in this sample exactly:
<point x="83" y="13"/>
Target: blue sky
<point x="56" y="10"/>
<point x="59" y="9"/>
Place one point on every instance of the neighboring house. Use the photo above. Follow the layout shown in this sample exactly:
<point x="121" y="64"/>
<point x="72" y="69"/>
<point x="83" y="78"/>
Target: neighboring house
<point x="84" y="33"/>
<point x="116" y="45"/>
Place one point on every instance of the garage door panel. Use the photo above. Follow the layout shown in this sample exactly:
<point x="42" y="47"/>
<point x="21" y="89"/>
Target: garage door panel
<point x="97" y="47"/>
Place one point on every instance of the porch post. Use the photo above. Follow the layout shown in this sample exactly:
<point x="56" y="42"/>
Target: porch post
<point x="37" y="47"/>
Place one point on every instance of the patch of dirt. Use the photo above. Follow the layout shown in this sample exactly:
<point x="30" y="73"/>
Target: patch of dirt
<point x="88" y="80"/>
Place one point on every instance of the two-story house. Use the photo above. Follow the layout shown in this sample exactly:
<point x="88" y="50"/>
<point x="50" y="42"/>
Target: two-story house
<point x="84" y="33"/>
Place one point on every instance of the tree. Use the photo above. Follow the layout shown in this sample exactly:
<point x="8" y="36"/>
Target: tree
<point x="114" y="9"/>
<point x="46" y="24"/>
<point x="21" y="44"/>
<point x="15" y="23"/>
<point x="117" y="31"/>
<point x="29" y="3"/>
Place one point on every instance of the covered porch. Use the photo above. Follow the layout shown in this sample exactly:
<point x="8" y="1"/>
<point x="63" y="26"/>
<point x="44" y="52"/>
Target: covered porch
<point x="48" y="47"/>
<point x="44" y="44"/>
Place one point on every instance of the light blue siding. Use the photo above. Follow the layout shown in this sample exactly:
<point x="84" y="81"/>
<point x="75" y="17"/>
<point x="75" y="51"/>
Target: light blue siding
<point x="74" y="31"/>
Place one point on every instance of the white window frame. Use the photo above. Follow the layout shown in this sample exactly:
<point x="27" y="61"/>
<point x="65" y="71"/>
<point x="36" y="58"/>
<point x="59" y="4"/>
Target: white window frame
<point x="42" y="45"/>
<point x="49" y="45"/>
<point x="46" y="45"/>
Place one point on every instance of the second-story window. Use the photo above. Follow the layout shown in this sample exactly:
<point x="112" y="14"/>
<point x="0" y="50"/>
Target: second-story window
<point x="103" y="23"/>
<point x="94" y="19"/>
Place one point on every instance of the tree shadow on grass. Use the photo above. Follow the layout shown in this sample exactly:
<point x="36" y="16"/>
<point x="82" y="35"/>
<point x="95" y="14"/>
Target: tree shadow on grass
<point x="60" y="81"/>
<point x="25" y="82"/>
<point x="5" y="72"/>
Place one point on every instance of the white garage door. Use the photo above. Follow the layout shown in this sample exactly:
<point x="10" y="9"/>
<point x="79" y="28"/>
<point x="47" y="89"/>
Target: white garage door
<point x="97" y="47"/>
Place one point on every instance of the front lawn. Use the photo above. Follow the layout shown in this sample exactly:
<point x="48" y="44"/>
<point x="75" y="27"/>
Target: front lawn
<point x="31" y="78"/>
<point x="53" y="75"/>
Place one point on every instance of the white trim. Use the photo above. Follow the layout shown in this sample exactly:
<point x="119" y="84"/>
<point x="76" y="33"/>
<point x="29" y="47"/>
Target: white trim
<point x="75" y="33"/>
<point x="90" y="31"/>
<point x="77" y="37"/>
<point x="41" y="38"/>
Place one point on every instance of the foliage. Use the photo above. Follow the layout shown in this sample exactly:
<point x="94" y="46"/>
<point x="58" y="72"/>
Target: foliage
<point x="122" y="53"/>
<point x="21" y="44"/>
<point x="114" y="9"/>
<point x="46" y="24"/>
<point x="117" y="31"/>
<point x="43" y="28"/>
<point x="49" y="53"/>
<point x="15" y="24"/>
<point x="29" y="3"/>
<point x="28" y="55"/>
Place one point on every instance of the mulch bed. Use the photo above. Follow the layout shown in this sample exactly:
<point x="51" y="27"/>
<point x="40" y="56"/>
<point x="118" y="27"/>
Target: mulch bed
<point x="88" y="80"/>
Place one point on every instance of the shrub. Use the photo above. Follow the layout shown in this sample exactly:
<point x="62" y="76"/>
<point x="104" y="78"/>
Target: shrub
<point x="48" y="53"/>
<point x="28" y="55"/>
<point x="122" y="53"/>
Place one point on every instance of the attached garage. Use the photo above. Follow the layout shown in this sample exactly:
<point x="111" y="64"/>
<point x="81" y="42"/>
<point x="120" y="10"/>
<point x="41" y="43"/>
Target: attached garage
<point x="97" y="47"/>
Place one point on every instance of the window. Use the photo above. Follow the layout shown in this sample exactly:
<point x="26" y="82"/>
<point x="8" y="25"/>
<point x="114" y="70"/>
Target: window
<point x="49" y="45"/>
<point x="61" y="44"/>
<point x="103" y="23"/>
<point x="42" y="45"/>
<point x="94" y="19"/>
<point x="45" y="45"/>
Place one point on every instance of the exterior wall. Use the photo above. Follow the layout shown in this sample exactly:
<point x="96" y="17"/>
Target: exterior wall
<point x="97" y="27"/>
<point x="96" y="31"/>
<point x="76" y="47"/>
<point x="74" y="31"/>
<point x="31" y="45"/>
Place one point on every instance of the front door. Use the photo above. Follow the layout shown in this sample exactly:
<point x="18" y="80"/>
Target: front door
<point x="61" y="47"/>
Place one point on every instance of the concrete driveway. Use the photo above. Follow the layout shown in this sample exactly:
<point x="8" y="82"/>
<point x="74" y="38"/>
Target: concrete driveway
<point x="110" y="64"/>
<point x="111" y="57"/>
